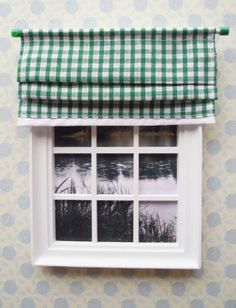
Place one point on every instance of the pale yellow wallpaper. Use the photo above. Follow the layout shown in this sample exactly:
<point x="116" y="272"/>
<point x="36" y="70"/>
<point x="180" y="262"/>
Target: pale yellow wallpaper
<point x="25" y="286"/>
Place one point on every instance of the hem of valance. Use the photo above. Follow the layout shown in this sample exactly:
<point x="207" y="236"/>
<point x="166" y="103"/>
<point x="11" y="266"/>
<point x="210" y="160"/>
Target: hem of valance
<point x="112" y="122"/>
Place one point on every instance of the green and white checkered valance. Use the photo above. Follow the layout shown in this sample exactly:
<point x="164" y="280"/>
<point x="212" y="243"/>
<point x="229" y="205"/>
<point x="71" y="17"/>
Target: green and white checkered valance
<point x="114" y="77"/>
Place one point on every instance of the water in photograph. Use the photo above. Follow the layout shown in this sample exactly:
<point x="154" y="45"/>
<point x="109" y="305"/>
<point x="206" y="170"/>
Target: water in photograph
<point x="115" y="136"/>
<point x="72" y="173"/>
<point x="158" y="136"/>
<point x="72" y="136"/>
<point x="114" y="173"/>
<point x="157" y="173"/>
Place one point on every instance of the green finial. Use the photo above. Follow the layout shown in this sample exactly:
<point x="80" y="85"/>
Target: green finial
<point x="16" y="33"/>
<point x="224" y="30"/>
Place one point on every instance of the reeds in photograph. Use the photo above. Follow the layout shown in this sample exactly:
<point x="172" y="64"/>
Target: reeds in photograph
<point x="157" y="222"/>
<point x="115" y="221"/>
<point x="73" y="220"/>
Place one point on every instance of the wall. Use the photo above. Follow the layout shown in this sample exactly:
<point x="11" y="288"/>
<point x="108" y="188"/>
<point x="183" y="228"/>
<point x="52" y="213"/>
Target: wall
<point x="215" y="284"/>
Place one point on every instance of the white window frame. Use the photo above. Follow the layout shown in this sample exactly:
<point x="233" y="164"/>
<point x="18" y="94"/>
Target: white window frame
<point x="184" y="254"/>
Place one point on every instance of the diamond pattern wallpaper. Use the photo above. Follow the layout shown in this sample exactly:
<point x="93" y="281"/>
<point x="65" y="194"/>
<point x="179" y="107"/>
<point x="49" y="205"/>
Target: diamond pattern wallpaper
<point x="213" y="286"/>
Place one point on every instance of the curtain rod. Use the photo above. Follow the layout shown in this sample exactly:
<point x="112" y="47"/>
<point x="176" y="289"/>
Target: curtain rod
<point x="220" y="31"/>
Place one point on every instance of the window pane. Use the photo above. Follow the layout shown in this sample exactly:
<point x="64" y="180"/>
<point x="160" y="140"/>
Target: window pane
<point x="115" y="173"/>
<point x="157" y="136"/>
<point x="115" y="221"/>
<point x="115" y="136"/>
<point x="73" y="220"/>
<point x="157" y="221"/>
<point x="72" y="173"/>
<point x="74" y="136"/>
<point x="157" y="173"/>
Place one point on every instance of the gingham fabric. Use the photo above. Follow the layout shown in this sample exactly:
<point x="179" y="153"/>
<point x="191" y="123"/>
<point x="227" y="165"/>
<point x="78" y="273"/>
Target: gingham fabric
<point x="157" y="74"/>
<point x="114" y="110"/>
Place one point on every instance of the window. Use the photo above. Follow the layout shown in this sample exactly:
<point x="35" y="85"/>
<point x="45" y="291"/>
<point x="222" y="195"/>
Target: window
<point x="116" y="119"/>
<point x="116" y="196"/>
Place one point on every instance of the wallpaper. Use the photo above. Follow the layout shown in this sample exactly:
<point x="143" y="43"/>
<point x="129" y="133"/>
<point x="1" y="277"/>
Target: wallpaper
<point x="25" y="286"/>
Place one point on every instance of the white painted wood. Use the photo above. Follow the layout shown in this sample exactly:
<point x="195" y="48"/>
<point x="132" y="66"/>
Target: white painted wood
<point x="72" y="197"/>
<point x="147" y="197"/>
<point x="51" y="186"/>
<point x="94" y="184"/>
<point x="136" y="186"/>
<point x="193" y="195"/>
<point x="111" y="150"/>
<point x="112" y="122"/>
<point x="39" y="192"/>
<point x="186" y="253"/>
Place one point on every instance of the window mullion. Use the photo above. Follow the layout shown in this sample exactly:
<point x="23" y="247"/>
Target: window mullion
<point x="136" y="186"/>
<point x="94" y="184"/>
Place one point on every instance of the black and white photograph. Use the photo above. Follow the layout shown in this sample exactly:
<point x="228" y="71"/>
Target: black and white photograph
<point x="157" y="173"/>
<point x="115" y="221"/>
<point x="72" y="173"/>
<point x="157" y="221"/>
<point x="73" y="220"/>
<point x="72" y="136"/>
<point x="114" y="173"/>
<point x="159" y="136"/>
<point x="116" y="136"/>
